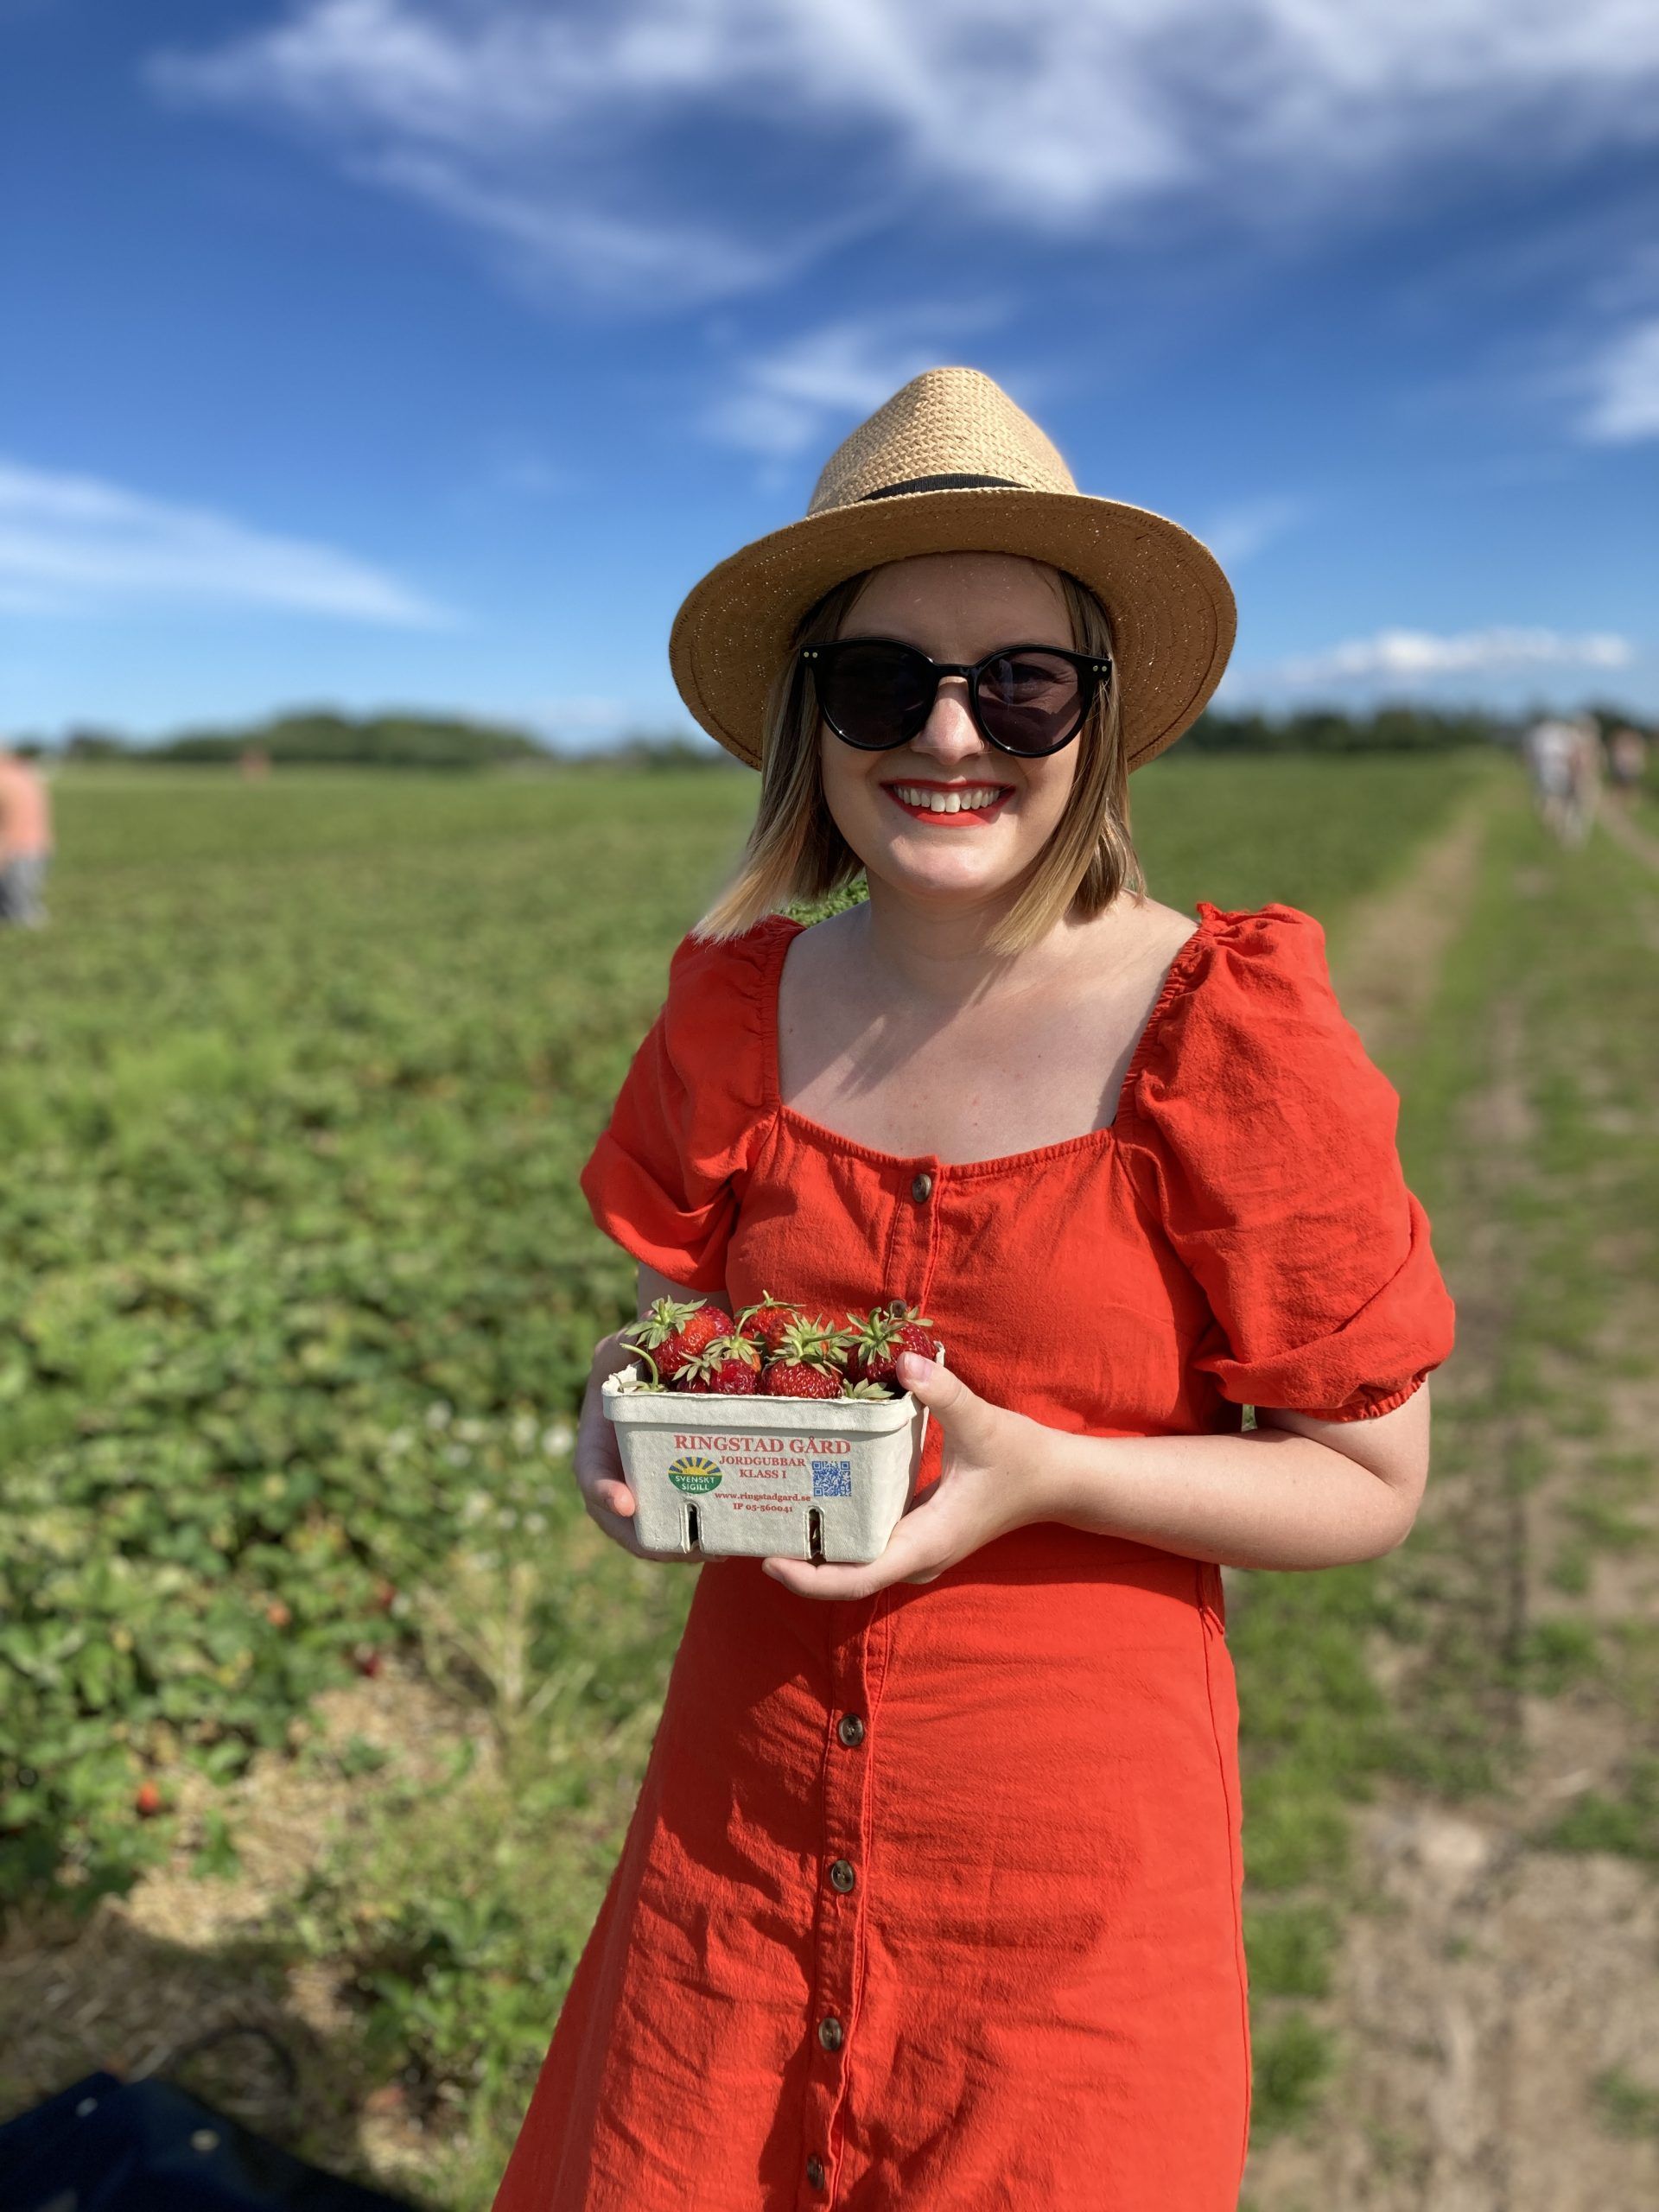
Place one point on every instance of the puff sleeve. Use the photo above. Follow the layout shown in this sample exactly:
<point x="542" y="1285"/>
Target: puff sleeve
<point x="1266" y="1136"/>
<point x="663" y="1179"/>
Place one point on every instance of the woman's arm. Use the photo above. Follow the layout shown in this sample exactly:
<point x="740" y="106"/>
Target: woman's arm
<point x="1293" y="1492"/>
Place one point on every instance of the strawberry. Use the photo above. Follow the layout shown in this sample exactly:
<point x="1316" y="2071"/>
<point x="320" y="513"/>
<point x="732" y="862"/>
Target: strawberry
<point x="807" y="1363"/>
<point x="729" y="1367"/>
<point x="880" y="1336"/>
<point x="674" y="1332"/>
<point x="788" y="1378"/>
<point x="764" y="1324"/>
<point x="147" y="1800"/>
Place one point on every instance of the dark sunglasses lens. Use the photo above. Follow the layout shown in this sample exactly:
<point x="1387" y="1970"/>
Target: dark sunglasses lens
<point x="875" y="696"/>
<point x="1031" y="702"/>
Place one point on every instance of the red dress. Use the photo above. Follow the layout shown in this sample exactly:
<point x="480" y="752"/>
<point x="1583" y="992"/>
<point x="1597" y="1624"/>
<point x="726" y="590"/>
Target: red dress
<point x="932" y="1899"/>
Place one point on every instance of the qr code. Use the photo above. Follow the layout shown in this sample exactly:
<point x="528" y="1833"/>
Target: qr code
<point x="832" y="1478"/>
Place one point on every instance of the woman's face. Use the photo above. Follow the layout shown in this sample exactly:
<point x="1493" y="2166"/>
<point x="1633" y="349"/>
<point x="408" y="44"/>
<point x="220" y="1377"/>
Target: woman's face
<point x="953" y="606"/>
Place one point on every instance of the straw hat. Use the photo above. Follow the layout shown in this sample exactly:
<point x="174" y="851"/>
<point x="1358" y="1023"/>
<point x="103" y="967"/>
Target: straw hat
<point x="950" y="464"/>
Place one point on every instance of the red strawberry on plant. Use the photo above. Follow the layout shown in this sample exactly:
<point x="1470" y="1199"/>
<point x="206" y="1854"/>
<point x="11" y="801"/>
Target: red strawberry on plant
<point x="147" y="1800"/>
<point x="807" y="1363"/>
<point x="880" y="1336"/>
<point x="675" y="1331"/>
<point x="728" y="1368"/>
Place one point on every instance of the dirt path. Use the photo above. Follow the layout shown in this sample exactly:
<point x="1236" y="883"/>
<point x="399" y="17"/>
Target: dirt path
<point x="1389" y="955"/>
<point x="1496" y="2002"/>
<point x="1620" y="826"/>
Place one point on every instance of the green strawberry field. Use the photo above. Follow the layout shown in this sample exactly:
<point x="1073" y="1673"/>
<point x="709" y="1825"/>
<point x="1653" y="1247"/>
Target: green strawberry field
<point x="297" y="1296"/>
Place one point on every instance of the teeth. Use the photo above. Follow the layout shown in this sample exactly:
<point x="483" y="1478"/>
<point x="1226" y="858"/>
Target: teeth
<point x="946" y="802"/>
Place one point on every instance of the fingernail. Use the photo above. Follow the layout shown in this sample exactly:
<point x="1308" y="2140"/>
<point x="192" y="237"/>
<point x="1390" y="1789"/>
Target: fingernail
<point x="914" y="1368"/>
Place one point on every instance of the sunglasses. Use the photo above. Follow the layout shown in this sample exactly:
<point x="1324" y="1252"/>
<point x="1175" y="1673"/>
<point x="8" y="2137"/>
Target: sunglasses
<point x="1029" y="700"/>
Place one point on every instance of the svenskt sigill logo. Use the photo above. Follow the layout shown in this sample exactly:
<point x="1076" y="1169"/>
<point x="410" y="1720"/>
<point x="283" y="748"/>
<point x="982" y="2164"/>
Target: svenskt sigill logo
<point x="695" y="1472"/>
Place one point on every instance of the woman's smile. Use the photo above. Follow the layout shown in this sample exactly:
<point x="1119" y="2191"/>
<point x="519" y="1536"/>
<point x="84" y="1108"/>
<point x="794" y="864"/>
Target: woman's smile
<point x="951" y="806"/>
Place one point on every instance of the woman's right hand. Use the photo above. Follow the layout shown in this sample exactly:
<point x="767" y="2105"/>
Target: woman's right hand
<point x="598" y="1463"/>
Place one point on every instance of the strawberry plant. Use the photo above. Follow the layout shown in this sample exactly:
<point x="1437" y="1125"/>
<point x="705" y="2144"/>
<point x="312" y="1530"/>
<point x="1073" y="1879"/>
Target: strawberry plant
<point x="294" y="1271"/>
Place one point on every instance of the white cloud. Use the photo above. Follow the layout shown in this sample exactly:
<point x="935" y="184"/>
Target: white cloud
<point x="546" y="126"/>
<point x="73" y="542"/>
<point x="1405" y="656"/>
<point x="784" y="400"/>
<point x="1624" y="385"/>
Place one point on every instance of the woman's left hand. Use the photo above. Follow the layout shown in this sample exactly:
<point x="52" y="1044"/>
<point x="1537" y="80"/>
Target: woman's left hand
<point x="991" y="1482"/>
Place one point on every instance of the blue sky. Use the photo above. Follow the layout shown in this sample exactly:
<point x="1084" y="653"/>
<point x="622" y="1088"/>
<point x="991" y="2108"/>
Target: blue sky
<point x="425" y="352"/>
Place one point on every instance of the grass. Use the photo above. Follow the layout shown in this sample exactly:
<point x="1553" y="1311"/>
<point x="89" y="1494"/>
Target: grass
<point x="1294" y="2062"/>
<point x="1626" y="1823"/>
<point x="1628" y="2107"/>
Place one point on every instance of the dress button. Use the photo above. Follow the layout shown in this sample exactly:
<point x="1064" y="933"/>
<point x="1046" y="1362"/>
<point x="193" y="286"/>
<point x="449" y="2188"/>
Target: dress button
<point x="843" y="1876"/>
<point x="815" y="2173"/>
<point x="850" y="1729"/>
<point x="831" y="2034"/>
<point x="921" y="1189"/>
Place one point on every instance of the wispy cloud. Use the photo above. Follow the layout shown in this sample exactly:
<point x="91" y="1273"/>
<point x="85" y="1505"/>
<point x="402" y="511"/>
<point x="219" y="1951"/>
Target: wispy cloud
<point x="72" y="543"/>
<point x="583" y="138"/>
<point x="784" y="400"/>
<point x="548" y="240"/>
<point x="1405" y="656"/>
<point x="1623" y="386"/>
<point x="1238" y="534"/>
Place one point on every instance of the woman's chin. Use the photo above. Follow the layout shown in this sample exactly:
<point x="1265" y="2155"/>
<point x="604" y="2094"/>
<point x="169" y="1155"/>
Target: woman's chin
<point x="966" y="877"/>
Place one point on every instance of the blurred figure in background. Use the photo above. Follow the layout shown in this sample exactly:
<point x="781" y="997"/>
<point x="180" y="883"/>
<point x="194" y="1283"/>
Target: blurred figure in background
<point x="25" y="841"/>
<point x="1583" y="791"/>
<point x="1550" y="746"/>
<point x="1627" y="763"/>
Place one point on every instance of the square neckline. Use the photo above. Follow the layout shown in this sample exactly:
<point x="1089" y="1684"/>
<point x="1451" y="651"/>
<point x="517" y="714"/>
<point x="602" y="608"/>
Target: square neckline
<point x="1106" y="1137"/>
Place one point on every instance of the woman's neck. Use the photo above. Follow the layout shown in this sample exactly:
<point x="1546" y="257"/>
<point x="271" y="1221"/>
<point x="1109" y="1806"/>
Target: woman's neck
<point x="946" y="957"/>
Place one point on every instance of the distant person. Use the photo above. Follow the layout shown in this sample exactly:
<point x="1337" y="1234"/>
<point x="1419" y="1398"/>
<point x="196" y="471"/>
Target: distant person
<point x="1627" y="763"/>
<point x="1551" y="745"/>
<point x="25" y="841"/>
<point x="1584" y="781"/>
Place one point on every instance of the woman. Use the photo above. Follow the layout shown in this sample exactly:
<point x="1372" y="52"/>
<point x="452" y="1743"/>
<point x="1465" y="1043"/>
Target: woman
<point x="931" y="1896"/>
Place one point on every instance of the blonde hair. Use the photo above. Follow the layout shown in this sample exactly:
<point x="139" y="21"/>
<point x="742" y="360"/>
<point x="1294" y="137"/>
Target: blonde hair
<point x="796" y="854"/>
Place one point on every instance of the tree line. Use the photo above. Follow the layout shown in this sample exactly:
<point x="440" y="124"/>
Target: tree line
<point x="321" y="737"/>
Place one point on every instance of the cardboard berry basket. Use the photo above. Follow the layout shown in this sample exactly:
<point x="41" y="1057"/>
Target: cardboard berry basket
<point x="764" y="1478"/>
